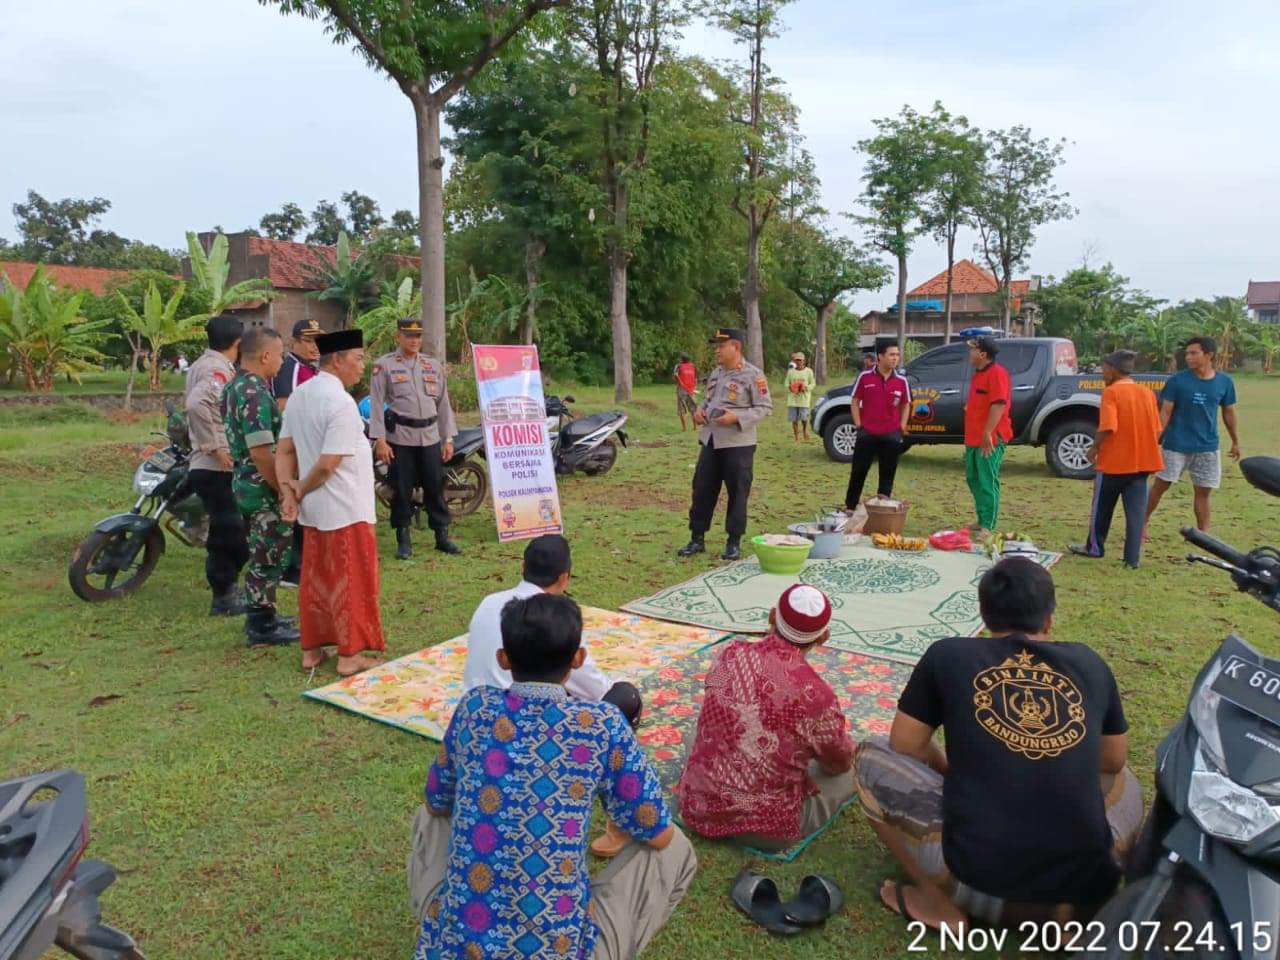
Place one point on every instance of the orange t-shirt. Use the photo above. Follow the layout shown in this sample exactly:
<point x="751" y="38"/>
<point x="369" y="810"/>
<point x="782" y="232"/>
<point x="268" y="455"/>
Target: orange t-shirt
<point x="1130" y="412"/>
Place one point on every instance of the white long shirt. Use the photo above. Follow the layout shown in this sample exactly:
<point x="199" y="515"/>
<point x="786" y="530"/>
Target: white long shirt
<point x="482" y="670"/>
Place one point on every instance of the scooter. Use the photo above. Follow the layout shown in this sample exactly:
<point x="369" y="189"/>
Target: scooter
<point x="48" y="894"/>
<point x="1204" y="877"/>
<point x="584" y="443"/>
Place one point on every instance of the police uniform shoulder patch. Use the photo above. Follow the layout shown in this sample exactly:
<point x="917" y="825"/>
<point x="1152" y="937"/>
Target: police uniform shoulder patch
<point x="762" y="385"/>
<point x="219" y="376"/>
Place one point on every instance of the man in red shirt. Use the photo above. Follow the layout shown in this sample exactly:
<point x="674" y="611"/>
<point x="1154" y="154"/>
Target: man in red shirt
<point x="686" y="377"/>
<point x="987" y="431"/>
<point x="881" y="408"/>
<point x="772" y="759"/>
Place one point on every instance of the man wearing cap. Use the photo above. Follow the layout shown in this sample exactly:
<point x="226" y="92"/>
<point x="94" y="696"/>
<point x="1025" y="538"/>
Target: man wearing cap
<point x="416" y="434"/>
<point x="326" y="484"/>
<point x="800" y="384"/>
<point x="300" y="365"/>
<point x="211" y="464"/>
<point x="881" y="406"/>
<point x="772" y="758"/>
<point x="987" y="431"/>
<point x="737" y="399"/>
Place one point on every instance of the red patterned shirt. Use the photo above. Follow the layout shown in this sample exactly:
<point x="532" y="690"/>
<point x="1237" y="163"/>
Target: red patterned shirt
<point x="766" y="716"/>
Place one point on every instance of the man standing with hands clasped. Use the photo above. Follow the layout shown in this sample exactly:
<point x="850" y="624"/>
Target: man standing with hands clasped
<point x="737" y="399"/>
<point x="881" y="408"/>
<point x="421" y="429"/>
<point x="987" y="431"/>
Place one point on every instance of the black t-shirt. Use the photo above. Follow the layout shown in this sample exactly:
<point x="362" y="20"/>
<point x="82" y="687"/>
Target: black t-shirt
<point x="293" y="374"/>
<point x="1023" y="813"/>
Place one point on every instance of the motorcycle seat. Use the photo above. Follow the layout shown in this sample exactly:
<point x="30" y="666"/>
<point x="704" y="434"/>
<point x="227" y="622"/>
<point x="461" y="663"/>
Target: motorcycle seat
<point x="583" y="426"/>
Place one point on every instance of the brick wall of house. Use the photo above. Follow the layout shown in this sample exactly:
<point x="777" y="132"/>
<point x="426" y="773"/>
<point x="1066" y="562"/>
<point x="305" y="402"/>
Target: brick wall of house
<point x="289" y="307"/>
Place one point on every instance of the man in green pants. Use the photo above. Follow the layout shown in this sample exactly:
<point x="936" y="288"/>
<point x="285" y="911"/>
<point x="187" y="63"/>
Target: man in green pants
<point x="987" y="431"/>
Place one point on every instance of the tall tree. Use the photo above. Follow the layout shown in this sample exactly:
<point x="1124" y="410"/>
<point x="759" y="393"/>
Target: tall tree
<point x="326" y="224"/>
<point x="1017" y="196"/>
<point x="58" y="231"/>
<point x="431" y="50"/>
<point x="899" y="177"/>
<point x="750" y="23"/>
<point x="1095" y="308"/>
<point x="285" y="224"/>
<point x="820" y="268"/>
<point x="363" y="214"/>
<point x="959" y="152"/>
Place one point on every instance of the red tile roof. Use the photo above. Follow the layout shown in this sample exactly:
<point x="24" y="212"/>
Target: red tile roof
<point x="967" y="277"/>
<point x="1263" y="291"/>
<point x="289" y="264"/>
<point x="93" y="279"/>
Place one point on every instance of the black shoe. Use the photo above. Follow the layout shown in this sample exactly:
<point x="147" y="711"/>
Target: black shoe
<point x="264" y="629"/>
<point x="1080" y="550"/>
<point x="404" y="545"/>
<point x="694" y="546"/>
<point x="732" y="550"/>
<point x="445" y="545"/>
<point x="229" y="604"/>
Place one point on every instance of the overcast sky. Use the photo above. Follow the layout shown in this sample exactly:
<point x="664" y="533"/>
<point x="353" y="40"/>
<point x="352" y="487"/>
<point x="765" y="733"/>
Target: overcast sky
<point x="185" y="115"/>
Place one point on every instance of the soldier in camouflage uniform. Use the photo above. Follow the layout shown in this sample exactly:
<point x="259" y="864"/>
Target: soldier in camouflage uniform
<point x="252" y="422"/>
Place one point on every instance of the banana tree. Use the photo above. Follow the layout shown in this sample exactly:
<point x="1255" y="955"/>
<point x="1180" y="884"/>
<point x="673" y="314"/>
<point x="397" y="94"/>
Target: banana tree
<point x="1269" y="341"/>
<point x="1160" y="333"/>
<point x="159" y="325"/>
<point x="352" y="281"/>
<point x="1227" y="321"/>
<point x="210" y="271"/>
<point x="379" y="324"/>
<point x="46" y="334"/>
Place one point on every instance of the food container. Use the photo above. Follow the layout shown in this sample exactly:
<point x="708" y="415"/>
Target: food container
<point x="826" y="546"/>
<point x="885" y="519"/>
<point x="787" y="559"/>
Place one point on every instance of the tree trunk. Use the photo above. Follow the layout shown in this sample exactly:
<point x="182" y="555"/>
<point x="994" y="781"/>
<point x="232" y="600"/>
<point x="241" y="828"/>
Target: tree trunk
<point x="155" y="370"/>
<point x="820" y="350"/>
<point x="619" y="324"/>
<point x="534" y="248"/>
<point x="751" y="292"/>
<point x="133" y="375"/>
<point x="426" y="113"/>
<point x="902" y="304"/>
<point x="951" y="262"/>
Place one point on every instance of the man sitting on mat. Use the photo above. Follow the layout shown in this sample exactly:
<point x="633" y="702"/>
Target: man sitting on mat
<point x="771" y="758"/>
<point x="1028" y="814"/>
<point x="498" y="865"/>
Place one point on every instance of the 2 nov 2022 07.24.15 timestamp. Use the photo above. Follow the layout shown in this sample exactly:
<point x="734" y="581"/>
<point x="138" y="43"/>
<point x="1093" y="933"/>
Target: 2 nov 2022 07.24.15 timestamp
<point x="1172" y="937"/>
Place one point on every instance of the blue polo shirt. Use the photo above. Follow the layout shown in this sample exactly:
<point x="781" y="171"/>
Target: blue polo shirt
<point x="1194" y="425"/>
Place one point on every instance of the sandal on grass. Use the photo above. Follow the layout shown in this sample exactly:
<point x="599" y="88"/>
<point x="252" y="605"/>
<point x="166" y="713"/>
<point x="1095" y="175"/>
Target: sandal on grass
<point x="757" y="897"/>
<point x="817" y="899"/>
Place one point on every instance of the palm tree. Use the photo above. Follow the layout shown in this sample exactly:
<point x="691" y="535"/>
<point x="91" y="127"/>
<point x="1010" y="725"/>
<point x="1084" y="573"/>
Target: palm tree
<point x="44" y="332"/>
<point x="209" y="274"/>
<point x="159" y="325"/>
<point x="379" y="324"/>
<point x="1160" y="333"/>
<point x="353" y="282"/>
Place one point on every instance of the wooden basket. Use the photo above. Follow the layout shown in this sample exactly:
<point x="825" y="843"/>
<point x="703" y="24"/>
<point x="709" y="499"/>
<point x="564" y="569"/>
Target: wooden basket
<point x="885" y="519"/>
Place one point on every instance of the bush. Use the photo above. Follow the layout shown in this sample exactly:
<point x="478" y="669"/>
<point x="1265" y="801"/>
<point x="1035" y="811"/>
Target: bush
<point x="462" y="388"/>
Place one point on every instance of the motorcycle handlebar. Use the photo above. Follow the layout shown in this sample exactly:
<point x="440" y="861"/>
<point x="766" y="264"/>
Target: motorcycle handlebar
<point x="1216" y="547"/>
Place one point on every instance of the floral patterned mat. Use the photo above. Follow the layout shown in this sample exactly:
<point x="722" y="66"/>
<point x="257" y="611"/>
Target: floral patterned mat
<point x="886" y="603"/>
<point x="419" y="692"/>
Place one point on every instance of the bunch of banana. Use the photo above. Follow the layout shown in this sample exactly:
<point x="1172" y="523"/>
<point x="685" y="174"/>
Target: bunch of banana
<point x="896" y="541"/>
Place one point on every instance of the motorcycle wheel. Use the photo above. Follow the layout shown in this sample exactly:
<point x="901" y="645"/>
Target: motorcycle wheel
<point x="1189" y="906"/>
<point x="465" y="487"/>
<point x="93" y="576"/>
<point x="602" y="459"/>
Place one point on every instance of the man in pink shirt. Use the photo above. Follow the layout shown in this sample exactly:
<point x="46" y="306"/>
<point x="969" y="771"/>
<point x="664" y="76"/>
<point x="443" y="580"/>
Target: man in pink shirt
<point x="881" y="407"/>
<point x="772" y="759"/>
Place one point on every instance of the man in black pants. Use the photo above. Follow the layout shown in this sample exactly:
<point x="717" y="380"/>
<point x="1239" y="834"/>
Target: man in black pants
<point x="737" y="399"/>
<point x="211" y="464"/>
<point x="420" y="427"/>
<point x="881" y="405"/>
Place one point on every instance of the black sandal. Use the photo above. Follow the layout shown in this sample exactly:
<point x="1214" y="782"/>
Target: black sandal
<point x="817" y="899"/>
<point x="757" y="897"/>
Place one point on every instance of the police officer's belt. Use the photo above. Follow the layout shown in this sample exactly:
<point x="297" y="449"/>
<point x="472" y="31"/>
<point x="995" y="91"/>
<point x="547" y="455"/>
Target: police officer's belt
<point x="394" y="420"/>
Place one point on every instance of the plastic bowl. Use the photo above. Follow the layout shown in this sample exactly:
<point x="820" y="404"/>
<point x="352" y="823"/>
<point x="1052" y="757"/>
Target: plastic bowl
<point x="786" y="560"/>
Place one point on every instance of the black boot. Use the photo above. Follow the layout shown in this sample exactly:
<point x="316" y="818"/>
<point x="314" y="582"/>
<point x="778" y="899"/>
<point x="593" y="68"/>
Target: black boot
<point x="228" y="604"/>
<point x="264" y="629"/>
<point x="694" y="546"/>
<point x="404" y="546"/>
<point x="444" y="544"/>
<point x="732" y="549"/>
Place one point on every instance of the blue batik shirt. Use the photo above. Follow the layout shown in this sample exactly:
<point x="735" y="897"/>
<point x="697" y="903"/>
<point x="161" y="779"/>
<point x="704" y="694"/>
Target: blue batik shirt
<point x="1193" y="428"/>
<point x="519" y="770"/>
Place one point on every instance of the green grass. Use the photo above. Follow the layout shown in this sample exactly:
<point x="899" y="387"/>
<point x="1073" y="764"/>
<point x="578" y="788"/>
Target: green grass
<point x="105" y="381"/>
<point x="247" y="822"/>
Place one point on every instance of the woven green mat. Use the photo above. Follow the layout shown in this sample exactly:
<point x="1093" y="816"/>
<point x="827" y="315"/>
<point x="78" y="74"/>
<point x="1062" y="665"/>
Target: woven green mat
<point x="886" y="603"/>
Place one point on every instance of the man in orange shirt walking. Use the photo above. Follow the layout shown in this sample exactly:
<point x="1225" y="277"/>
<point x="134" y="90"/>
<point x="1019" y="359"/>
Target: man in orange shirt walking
<point x="1126" y="452"/>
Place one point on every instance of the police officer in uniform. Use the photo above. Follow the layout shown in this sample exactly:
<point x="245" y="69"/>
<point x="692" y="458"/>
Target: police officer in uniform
<point x="737" y="398"/>
<point x="211" y="463"/>
<point x="252" y="422"/>
<point x="415" y="436"/>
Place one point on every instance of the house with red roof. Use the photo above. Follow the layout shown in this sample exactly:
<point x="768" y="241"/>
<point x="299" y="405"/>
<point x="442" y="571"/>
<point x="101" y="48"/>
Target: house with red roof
<point x="288" y="266"/>
<point x="93" y="279"/>
<point x="975" y="302"/>
<point x="1263" y="298"/>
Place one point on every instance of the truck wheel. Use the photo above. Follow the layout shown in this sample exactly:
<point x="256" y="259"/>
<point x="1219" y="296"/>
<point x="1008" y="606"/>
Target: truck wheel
<point x="1067" y="450"/>
<point x="839" y="437"/>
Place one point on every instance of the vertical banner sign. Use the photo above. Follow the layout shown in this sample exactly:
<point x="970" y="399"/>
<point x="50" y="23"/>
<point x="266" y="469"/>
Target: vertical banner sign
<point x="522" y="472"/>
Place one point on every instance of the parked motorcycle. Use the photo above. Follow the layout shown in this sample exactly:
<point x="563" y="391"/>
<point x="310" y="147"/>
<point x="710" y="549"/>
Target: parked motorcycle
<point x="1204" y="878"/>
<point x="123" y="550"/>
<point x="584" y="443"/>
<point x="466" y="483"/>
<point x="48" y="894"/>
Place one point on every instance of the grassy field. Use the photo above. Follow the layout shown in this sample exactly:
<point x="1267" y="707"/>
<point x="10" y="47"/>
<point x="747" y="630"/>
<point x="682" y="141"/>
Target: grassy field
<point x="247" y="822"/>
<point x="107" y="381"/>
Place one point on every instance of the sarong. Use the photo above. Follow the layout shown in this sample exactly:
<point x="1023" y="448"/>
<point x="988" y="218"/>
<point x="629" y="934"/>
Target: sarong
<point x="338" y="595"/>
